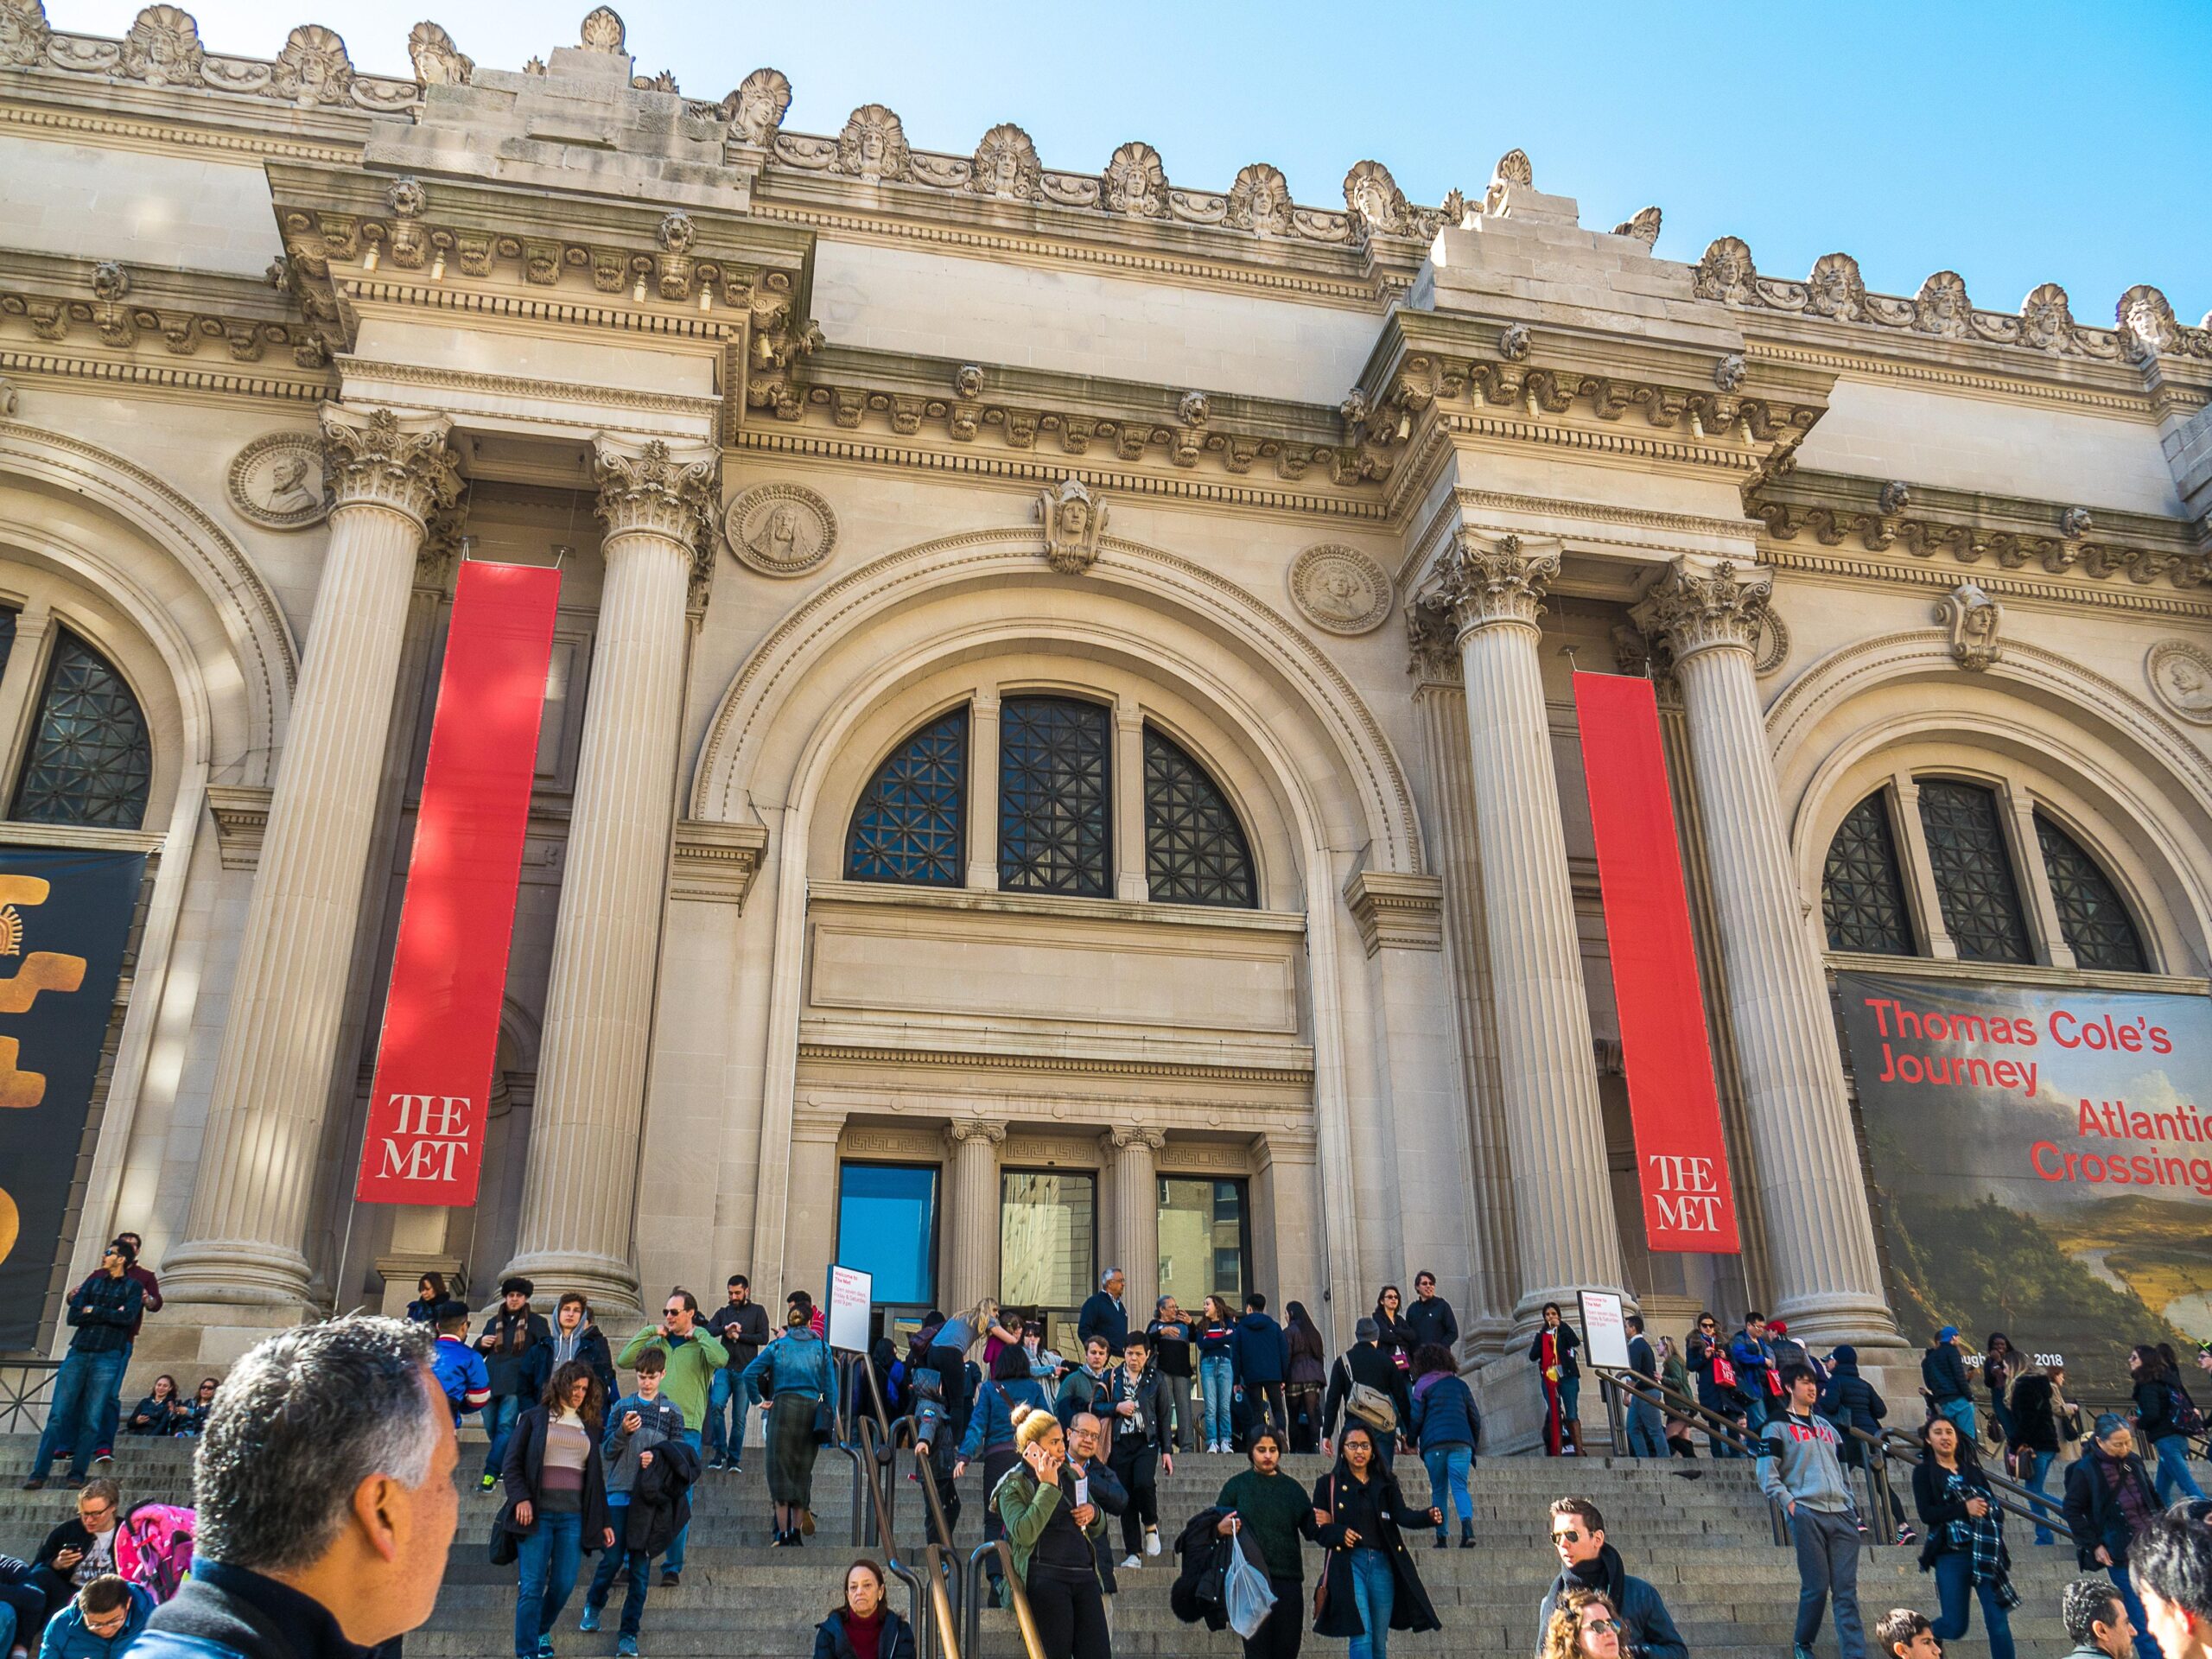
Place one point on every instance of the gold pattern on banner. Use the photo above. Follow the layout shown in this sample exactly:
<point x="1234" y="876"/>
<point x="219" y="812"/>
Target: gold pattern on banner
<point x="41" y="970"/>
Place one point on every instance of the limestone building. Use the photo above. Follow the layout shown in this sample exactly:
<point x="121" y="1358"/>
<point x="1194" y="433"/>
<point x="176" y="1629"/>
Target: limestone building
<point x="1059" y="749"/>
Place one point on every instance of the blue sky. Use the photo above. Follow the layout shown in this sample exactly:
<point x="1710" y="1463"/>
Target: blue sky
<point x="2015" y="144"/>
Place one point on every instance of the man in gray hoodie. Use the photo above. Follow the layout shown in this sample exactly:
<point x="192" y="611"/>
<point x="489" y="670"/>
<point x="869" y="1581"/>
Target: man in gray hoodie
<point x="1801" y="1471"/>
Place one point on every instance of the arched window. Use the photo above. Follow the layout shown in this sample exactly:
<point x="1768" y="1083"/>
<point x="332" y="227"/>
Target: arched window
<point x="910" y="823"/>
<point x="1974" y="872"/>
<point x="1195" y="852"/>
<point x="89" y="762"/>
<point x="1862" y="888"/>
<point x="1055" y="797"/>
<point x="2092" y="919"/>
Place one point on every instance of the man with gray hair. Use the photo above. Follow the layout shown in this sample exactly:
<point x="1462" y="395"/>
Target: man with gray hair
<point x="1103" y="1313"/>
<point x="2097" y="1619"/>
<point x="324" y="1484"/>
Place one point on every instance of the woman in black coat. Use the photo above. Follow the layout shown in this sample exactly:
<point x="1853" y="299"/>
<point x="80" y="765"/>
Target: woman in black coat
<point x="1370" y="1585"/>
<point x="863" y="1626"/>
<point x="556" y="1508"/>
<point x="1953" y="1497"/>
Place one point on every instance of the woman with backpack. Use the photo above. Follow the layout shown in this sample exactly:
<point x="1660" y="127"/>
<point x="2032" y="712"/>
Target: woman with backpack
<point x="1306" y="1376"/>
<point x="1446" y="1427"/>
<point x="1965" y="1548"/>
<point x="2165" y="1418"/>
<point x="1370" y="1585"/>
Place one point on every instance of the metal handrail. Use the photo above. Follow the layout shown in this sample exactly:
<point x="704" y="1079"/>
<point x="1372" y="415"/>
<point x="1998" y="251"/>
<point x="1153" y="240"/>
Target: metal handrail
<point x="26" y="1393"/>
<point x="1717" y="1427"/>
<point x="941" y="1607"/>
<point x="1025" y="1621"/>
<point x="865" y="1471"/>
<point x="1907" y="1448"/>
<point x="937" y="1526"/>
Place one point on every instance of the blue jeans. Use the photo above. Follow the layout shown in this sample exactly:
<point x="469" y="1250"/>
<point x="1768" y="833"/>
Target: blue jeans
<point x="80" y="1394"/>
<point x="1447" y="1483"/>
<point x="549" y="1556"/>
<point x="1960" y="1412"/>
<point x="2033" y="1479"/>
<point x="1647" y="1435"/>
<point x="724" y="1396"/>
<point x="111" y="1413"/>
<point x="1215" y="1379"/>
<point x="2146" y="1645"/>
<point x="1757" y="1409"/>
<point x="2173" y="1468"/>
<point x="612" y="1561"/>
<point x="1953" y="1579"/>
<point x="501" y="1413"/>
<point x="1374" y="1587"/>
<point x="673" y="1561"/>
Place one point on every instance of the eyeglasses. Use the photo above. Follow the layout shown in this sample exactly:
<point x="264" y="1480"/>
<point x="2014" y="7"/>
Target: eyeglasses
<point x="1600" y="1626"/>
<point x="94" y="1511"/>
<point x="1569" y="1536"/>
<point x="673" y="1312"/>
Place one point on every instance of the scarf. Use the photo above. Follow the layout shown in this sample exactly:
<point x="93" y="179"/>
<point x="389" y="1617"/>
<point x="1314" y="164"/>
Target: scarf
<point x="1982" y="1540"/>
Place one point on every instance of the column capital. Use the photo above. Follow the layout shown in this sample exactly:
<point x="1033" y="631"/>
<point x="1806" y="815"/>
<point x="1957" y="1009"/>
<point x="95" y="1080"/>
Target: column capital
<point x="1433" y="640"/>
<point x="1130" y="1135"/>
<point x="985" y="1131"/>
<point x="375" y="457"/>
<point x="1695" y="612"/>
<point x="652" y="489"/>
<point x="1485" y="583"/>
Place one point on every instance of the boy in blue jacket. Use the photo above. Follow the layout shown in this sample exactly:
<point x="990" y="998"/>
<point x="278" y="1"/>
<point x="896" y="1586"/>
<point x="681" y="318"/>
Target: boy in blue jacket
<point x="459" y="1368"/>
<point x="105" y="1617"/>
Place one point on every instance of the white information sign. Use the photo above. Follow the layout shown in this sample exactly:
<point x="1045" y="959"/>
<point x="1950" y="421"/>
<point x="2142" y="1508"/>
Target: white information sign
<point x="851" y="1290"/>
<point x="1605" y="1330"/>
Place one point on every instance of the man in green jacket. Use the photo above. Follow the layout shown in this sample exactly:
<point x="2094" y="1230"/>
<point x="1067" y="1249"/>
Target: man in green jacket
<point x="694" y="1355"/>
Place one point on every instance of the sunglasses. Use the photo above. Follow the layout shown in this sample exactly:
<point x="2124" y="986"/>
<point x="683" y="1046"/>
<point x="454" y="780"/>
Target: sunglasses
<point x="1569" y="1536"/>
<point x="1600" y="1626"/>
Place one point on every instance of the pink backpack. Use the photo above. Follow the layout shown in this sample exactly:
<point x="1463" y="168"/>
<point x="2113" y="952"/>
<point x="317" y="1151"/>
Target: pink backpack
<point x="153" y="1548"/>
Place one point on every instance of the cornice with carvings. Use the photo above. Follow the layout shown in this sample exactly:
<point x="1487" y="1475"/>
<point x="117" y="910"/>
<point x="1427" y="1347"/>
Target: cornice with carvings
<point x="106" y="312"/>
<point x="2008" y="533"/>
<point x="971" y="1060"/>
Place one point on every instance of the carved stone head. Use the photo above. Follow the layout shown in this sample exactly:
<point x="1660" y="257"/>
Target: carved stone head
<point x="437" y="61"/>
<point x="1373" y="201"/>
<point x="756" y="107"/>
<point x="1836" y="289"/>
<point x="1259" y="202"/>
<point x="1942" y="306"/>
<point x="2146" y="322"/>
<point x="23" y="31"/>
<point x="1973" y="619"/>
<point x="313" y="68"/>
<point x="1073" y="524"/>
<point x="163" y="48"/>
<point x="1725" y="272"/>
<point x="1135" y="182"/>
<point x="873" y="146"/>
<point x="1006" y="167"/>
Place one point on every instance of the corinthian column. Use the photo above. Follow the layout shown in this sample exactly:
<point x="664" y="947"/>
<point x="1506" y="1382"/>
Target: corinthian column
<point x="971" y="1267"/>
<point x="244" y="1239"/>
<point x="1135" y="1244"/>
<point x="1554" y="1128"/>
<point x="580" y="1190"/>
<point x="1827" y="1281"/>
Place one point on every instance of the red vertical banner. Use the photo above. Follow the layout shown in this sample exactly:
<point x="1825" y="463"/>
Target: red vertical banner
<point x="1681" y="1154"/>
<point x="425" y="1140"/>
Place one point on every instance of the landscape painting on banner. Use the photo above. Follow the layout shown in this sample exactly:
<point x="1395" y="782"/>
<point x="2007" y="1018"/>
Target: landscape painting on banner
<point x="2042" y="1161"/>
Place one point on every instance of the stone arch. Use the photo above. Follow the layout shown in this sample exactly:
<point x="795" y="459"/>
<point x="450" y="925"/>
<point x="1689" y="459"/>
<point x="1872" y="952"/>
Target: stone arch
<point x="2124" y="779"/>
<point x="199" y="599"/>
<point x="1273" y="714"/>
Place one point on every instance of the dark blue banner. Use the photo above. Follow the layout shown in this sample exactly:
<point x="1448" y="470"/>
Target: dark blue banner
<point x="65" y="918"/>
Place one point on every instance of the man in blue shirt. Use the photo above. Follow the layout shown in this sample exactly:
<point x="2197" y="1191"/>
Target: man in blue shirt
<point x="1103" y="1315"/>
<point x="459" y="1368"/>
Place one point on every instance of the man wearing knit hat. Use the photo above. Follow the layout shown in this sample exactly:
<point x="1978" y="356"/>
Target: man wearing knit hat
<point x="1943" y="1378"/>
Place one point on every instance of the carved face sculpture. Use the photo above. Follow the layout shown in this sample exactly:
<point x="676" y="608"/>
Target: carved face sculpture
<point x="782" y="533"/>
<point x="2187" y="683"/>
<point x="1341" y="593"/>
<point x="1831" y="291"/>
<point x="872" y="149"/>
<point x="1374" y="205"/>
<point x="288" y="488"/>
<point x="1075" y="519"/>
<point x="1003" y="170"/>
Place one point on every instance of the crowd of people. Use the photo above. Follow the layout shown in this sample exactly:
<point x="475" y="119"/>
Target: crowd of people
<point x="1070" y="1446"/>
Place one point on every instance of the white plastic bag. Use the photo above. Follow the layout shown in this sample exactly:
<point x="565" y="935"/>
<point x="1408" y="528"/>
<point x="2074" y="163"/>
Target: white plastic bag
<point x="1246" y="1595"/>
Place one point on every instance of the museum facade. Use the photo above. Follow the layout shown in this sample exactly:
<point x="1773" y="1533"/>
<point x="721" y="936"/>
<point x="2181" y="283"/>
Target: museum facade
<point x="1059" y="749"/>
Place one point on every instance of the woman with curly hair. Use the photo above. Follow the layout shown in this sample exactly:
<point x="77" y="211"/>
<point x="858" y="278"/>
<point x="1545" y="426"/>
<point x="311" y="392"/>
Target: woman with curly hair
<point x="1584" y="1626"/>
<point x="556" y="1500"/>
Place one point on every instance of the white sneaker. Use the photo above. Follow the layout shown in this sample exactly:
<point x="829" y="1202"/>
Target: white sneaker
<point x="1152" y="1541"/>
<point x="1130" y="1563"/>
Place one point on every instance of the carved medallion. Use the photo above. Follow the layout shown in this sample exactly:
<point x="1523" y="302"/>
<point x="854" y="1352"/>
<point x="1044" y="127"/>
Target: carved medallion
<point x="780" y="530"/>
<point x="1773" y="644"/>
<point x="2181" y="674"/>
<point x="1339" y="589"/>
<point x="277" y="481"/>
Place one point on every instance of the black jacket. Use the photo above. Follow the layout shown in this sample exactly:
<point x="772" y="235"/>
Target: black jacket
<point x="2154" y="1409"/>
<point x="2093" y="1512"/>
<point x="1944" y="1374"/>
<point x="1938" y="1509"/>
<point x="660" y="1498"/>
<point x="1109" y="1495"/>
<point x="1339" y="1614"/>
<point x="1394" y="1334"/>
<point x="509" y="1359"/>
<point x="1431" y="1321"/>
<point x="591" y="1348"/>
<point x="745" y="1333"/>
<point x="1368" y="1363"/>
<point x="1849" y="1401"/>
<point x="1650" y="1632"/>
<point x="897" y="1640"/>
<point x="1154" y="1433"/>
<point x="224" y="1610"/>
<point x="525" y="1464"/>
<point x="1102" y="1315"/>
<point x="1568" y="1342"/>
<point x="2034" y="1421"/>
<point x="1197" y="1594"/>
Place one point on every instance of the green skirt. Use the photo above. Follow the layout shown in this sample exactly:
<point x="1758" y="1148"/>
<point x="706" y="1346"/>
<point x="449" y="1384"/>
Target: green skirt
<point x="791" y="1450"/>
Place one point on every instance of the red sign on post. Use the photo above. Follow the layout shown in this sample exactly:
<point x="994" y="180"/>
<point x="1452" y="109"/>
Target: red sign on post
<point x="440" y="1036"/>
<point x="1681" y="1156"/>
